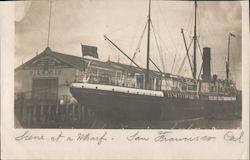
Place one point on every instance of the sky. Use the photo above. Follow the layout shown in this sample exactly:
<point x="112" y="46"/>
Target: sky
<point x="87" y="21"/>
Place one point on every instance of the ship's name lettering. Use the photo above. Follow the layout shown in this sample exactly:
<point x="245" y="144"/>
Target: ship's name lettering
<point x="167" y="136"/>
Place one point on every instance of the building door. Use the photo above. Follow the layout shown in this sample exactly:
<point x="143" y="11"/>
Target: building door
<point x="45" y="89"/>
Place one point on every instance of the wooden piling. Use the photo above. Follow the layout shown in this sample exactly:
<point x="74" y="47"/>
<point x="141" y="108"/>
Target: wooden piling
<point x="86" y="117"/>
<point x="80" y="112"/>
<point x="34" y="116"/>
<point x="29" y="116"/>
<point x="73" y="111"/>
<point x="42" y="113"/>
<point x="49" y="112"/>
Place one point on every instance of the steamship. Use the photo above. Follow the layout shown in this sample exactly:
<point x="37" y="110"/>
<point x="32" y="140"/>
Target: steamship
<point x="150" y="95"/>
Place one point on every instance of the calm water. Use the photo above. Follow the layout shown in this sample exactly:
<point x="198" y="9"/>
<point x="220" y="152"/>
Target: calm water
<point x="185" y="124"/>
<point x="189" y="124"/>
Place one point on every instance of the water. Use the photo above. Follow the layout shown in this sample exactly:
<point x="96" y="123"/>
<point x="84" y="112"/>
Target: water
<point x="191" y="124"/>
<point x="199" y="123"/>
<point x="184" y="124"/>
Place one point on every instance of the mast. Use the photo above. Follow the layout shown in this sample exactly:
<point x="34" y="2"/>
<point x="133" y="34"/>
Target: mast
<point x="148" y="48"/>
<point x="49" y="24"/>
<point x="228" y="55"/>
<point x="195" y="39"/>
<point x="227" y="63"/>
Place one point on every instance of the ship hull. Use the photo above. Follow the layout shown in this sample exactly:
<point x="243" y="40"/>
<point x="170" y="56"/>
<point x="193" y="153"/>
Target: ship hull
<point x="120" y="106"/>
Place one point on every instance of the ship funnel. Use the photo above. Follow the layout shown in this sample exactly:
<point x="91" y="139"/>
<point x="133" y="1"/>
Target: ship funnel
<point x="206" y="64"/>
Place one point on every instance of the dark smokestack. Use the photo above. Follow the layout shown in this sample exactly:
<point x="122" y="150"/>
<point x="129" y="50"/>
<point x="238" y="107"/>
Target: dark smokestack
<point x="206" y="64"/>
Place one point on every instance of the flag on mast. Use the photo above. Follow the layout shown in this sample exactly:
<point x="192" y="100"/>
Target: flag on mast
<point x="231" y="34"/>
<point x="89" y="51"/>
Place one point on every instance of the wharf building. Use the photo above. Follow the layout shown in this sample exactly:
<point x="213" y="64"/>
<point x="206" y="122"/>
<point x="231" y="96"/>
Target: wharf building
<point x="42" y="96"/>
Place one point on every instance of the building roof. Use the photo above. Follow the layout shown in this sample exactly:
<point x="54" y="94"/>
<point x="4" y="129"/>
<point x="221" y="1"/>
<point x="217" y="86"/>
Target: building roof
<point x="77" y="62"/>
<point x="73" y="61"/>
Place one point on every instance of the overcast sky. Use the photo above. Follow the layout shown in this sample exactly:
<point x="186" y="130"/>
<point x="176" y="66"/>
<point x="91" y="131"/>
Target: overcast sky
<point x="87" y="21"/>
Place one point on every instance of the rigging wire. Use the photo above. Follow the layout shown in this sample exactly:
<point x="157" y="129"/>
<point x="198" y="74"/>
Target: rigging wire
<point x="207" y="29"/>
<point x="155" y="65"/>
<point x="199" y="25"/>
<point x="202" y="59"/>
<point x="198" y="42"/>
<point x="182" y="64"/>
<point x="123" y="28"/>
<point x="170" y="35"/>
<point x="120" y="29"/>
<point x="189" y="22"/>
<point x="113" y="50"/>
<point x="134" y="38"/>
<point x="157" y="44"/>
<point x="157" y="34"/>
<point x="210" y="36"/>
<point x="139" y="43"/>
<point x="163" y="51"/>
<point x="199" y="46"/>
<point x="230" y="73"/>
<point x="173" y="64"/>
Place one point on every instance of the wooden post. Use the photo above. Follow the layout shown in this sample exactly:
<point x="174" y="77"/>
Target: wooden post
<point x="73" y="111"/>
<point x="54" y="111"/>
<point x="42" y="110"/>
<point x="24" y="116"/>
<point x="29" y="116"/>
<point x="66" y="114"/>
<point x="45" y="113"/>
<point x="85" y="113"/>
<point x="116" y="79"/>
<point x="21" y="109"/>
<point x="38" y="113"/>
<point x="34" y="116"/>
<point x="80" y="112"/>
<point x="57" y="113"/>
<point x="76" y="112"/>
<point x="49" y="112"/>
<point x="20" y="117"/>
